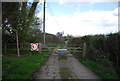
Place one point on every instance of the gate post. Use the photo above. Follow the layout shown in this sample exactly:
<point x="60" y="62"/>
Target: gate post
<point x="84" y="50"/>
<point x="40" y="47"/>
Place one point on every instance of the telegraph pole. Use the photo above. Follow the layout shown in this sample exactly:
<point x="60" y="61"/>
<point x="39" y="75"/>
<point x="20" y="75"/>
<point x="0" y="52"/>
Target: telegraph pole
<point x="44" y="21"/>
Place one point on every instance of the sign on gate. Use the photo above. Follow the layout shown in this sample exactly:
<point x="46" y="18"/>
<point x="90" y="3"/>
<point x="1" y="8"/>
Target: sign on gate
<point x="62" y="51"/>
<point x="34" y="46"/>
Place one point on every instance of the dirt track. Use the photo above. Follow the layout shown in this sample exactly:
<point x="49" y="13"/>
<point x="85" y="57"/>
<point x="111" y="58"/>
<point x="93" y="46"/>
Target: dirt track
<point x="69" y="68"/>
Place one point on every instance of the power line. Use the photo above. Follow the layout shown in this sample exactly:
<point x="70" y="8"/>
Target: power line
<point x="54" y="16"/>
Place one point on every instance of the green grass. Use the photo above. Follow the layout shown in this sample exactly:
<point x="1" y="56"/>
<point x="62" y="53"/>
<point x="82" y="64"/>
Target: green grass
<point x="106" y="73"/>
<point x="21" y="68"/>
<point x="104" y="69"/>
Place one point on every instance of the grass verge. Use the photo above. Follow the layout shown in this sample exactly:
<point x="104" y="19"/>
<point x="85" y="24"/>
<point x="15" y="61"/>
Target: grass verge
<point x="21" y="68"/>
<point x="105" y="73"/>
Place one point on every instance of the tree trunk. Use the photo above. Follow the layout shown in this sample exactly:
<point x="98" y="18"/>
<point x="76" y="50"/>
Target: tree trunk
<point x="18" y="51"/>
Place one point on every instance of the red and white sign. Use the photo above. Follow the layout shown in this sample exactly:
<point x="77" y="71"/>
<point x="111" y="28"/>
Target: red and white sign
<point x="34" y="46"/>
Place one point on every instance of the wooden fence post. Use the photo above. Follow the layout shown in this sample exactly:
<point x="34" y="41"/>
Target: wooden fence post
<point x="40" y="47"/>
<point x="84" y="50"/>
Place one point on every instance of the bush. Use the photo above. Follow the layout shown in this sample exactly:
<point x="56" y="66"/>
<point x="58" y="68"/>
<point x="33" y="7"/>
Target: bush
<point x="103" y="49"/>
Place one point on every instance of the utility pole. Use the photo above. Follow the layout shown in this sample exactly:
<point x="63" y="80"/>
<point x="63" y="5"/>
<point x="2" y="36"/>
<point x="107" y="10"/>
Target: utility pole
<point x="44" y="21"/>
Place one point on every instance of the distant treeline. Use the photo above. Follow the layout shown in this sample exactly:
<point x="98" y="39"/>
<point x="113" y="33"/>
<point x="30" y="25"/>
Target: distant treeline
<point x="104" y="49"/>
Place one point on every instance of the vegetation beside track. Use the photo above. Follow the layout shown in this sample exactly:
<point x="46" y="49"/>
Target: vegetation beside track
<point x="21" y="67"/>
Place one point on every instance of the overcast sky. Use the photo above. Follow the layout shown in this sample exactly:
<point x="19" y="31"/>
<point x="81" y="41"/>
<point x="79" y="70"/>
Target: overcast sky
<point x="80" y="18"/>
